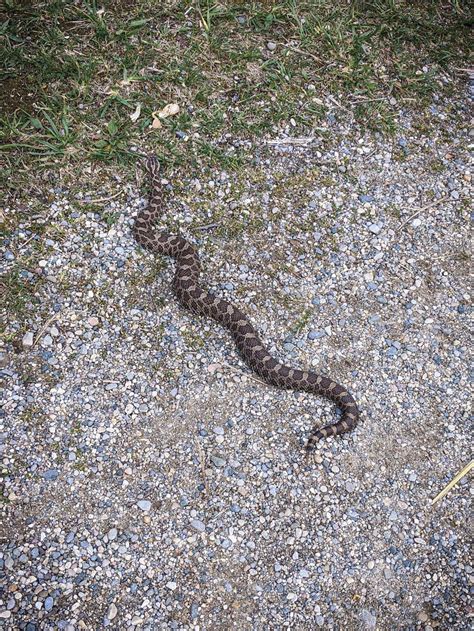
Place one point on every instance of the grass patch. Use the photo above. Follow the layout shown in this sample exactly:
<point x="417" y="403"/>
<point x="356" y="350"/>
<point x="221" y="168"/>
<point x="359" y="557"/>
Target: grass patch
<point x="83" y="83"/>
<point x="76" y="72"/>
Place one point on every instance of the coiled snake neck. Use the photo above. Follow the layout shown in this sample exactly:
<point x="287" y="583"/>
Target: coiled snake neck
<point x="192" y="296"/>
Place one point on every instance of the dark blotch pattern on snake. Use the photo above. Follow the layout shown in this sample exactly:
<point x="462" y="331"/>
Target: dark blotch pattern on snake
<point x="192" y="296"/>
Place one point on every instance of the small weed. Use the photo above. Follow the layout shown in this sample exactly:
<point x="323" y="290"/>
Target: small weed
<point x="114" y="145"/>
<point x="302" y="321"/>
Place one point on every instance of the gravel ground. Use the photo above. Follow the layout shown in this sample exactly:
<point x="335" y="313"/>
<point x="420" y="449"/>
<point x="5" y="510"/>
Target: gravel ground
<point x="152" y="482"/>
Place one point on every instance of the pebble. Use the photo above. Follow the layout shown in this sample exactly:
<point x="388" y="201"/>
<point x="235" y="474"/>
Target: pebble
<point x="51" y="475"/>
<point x="198" y="525"/>
<point x="144" y="505"/>
<point x="271" y="45"/>
<point x="112" y="612"/>
<point x="316" y="335"/>
<point x="28" y="340"/>
<point x="375" y="228"/>
<point x="368" y="619"/>
<point x="218" y="461"/>
<point x="112" y="534"/>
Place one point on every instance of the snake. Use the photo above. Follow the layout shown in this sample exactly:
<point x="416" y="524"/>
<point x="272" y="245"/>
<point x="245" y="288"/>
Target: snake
<point x="194" y="297"/>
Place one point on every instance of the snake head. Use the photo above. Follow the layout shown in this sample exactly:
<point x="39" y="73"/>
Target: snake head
<point x="153" y="166"/>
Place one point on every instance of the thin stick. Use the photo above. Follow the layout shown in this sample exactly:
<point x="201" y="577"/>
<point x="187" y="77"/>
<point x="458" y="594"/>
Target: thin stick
<point x="207" y="226"/>
<point x="100" y="200"/>
<point x="453" y="482"/>
<point x="202" y="462"/>
<point x="302" y="52"/>
<point x="333" y="100"/>
<point x="423" y="208"/>
<point x="43" y="328"/>
<point x="291" y="141"/>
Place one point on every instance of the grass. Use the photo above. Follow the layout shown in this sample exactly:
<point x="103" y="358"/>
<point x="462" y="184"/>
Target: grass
<point x="83" y="83"/>
<point x="74" y="73"/>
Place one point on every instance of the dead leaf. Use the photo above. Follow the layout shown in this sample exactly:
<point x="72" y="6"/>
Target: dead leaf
<point x="156" y="122"/>
<point x="136" y="114"/>
<point x="169" y="110"/>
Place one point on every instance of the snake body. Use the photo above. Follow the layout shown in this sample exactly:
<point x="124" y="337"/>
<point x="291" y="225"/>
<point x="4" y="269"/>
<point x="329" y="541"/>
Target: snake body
<point x="193" y="297"/>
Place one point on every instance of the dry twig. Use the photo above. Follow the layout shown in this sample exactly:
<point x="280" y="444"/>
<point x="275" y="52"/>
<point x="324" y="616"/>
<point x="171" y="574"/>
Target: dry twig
<point x="453" y="482"/>
<point x="422" y="209"/>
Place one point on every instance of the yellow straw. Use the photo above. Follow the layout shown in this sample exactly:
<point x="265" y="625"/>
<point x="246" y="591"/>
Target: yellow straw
<point x="453" y="482"/>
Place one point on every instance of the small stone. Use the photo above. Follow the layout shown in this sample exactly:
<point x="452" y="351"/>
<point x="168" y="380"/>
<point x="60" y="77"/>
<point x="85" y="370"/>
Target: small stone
<point x="93" y="321"/>
<point x="171" y="585"/>
<point x="416" y="223"/>
<point x="316" y="335"/>
<point x="369" y="620"/>
<point x="27" y="340"/>
<point x="51" y="474"/>
<point x="112" y="612"/>
<point x="366" y="198"/>
<point x="144" y="505"/>
<point x="198" y="525"/>
<point x="112" y="534"/>
<point x="374" y="228"/>
<point x="271" y="45"/>
<point x="48" y="603"/>
<point x="218" y="461"/>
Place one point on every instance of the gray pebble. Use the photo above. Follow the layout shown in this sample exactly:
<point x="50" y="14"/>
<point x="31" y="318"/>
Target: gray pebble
<point x="48" y="603"/>
<point x="218" y="461"/>
<point x="368" y="619"/>
<point x="51" y="474"/>
<point x="28" y="340"/>
<point x="316" y="335"/>
<point x="198" y="525"/>
<point x="112" y="534"/>
<point x="374" y="228"/>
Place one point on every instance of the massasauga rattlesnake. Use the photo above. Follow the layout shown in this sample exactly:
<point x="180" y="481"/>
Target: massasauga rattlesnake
<point x="192" y="296"/>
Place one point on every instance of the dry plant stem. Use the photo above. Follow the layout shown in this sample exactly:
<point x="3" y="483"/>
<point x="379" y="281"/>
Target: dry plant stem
<point x="202" y="462"/>
<point x="43" y="328"/>
<point x="100" y="200"/>
<point x="422" y="209"/>
<point x="453" y="482"/>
